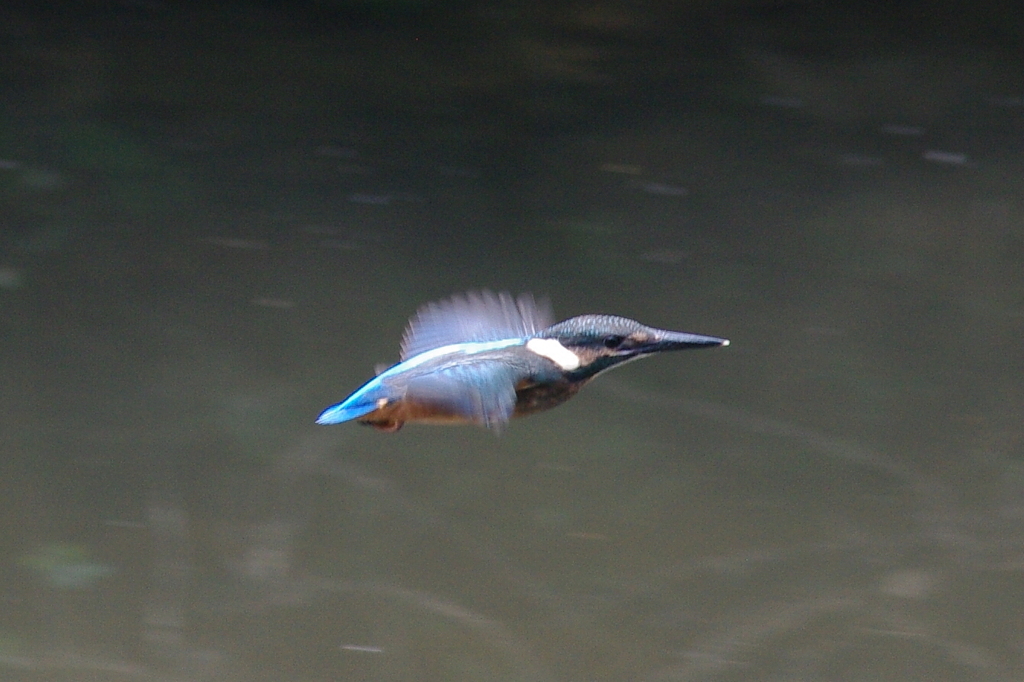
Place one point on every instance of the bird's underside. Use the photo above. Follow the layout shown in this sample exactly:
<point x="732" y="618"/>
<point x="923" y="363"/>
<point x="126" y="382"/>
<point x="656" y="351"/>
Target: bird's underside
<point x="531" y="397"/>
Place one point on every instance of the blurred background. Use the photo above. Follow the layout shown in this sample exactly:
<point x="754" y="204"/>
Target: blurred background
<point x="216" y="218"/>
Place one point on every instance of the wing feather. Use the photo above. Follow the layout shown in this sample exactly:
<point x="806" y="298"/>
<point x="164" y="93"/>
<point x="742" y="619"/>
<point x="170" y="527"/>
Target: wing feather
<point x="482" y="391"/>
<point x="476" y="316"/>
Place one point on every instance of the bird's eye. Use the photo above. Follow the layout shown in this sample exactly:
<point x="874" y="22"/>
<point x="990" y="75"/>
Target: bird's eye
<point x="613" y="341"/>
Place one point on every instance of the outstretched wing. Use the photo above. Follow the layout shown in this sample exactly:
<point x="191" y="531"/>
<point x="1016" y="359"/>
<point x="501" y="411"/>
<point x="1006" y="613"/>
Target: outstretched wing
<point x="482" y="316"/>
<point x="482" y="391"/>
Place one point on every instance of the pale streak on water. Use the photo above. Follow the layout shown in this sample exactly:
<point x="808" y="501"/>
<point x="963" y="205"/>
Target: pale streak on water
<point x="270" y="566"/>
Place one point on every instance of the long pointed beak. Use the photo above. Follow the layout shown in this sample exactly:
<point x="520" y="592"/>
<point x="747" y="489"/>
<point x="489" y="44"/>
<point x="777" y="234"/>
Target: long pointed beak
<point x="667" y="340"/>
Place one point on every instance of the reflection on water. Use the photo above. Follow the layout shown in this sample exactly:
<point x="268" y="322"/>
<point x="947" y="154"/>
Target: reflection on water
<point x="215" y="221"/>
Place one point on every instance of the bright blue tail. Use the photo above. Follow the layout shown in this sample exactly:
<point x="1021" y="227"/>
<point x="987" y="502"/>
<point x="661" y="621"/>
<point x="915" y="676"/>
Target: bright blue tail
<point x="343" y="412"/>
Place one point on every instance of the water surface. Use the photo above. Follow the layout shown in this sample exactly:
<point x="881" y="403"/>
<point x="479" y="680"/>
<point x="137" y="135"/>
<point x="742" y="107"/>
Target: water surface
<point x="216" y="222"/>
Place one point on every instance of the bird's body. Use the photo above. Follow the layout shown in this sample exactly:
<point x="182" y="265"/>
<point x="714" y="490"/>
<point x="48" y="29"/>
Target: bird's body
<point x="484" y="358"/>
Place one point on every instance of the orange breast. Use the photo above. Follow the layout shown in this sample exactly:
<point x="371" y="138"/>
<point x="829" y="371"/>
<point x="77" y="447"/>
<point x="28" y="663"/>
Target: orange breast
<point x="391" y="416"/>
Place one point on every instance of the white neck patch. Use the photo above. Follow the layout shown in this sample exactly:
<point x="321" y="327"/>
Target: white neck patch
<point x="555" y="352"/>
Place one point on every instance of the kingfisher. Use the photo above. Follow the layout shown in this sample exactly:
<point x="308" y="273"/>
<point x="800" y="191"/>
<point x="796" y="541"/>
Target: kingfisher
<point x="483" y="358"/>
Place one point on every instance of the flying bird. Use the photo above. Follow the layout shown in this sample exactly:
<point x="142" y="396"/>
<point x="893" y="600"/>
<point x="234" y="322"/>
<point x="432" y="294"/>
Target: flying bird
<point x="483" y="358"/>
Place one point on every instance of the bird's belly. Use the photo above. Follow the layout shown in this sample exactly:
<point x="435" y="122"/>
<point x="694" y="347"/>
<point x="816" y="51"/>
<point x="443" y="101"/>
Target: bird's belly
<point x="532" y="398"/>
<point x="391" y="416"/>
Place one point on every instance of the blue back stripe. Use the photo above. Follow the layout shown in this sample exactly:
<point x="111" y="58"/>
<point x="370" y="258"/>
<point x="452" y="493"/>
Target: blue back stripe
<point x="467" y="348"/>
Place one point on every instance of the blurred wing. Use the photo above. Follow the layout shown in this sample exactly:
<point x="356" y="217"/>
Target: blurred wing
<point x="482" y="316"/>
<point x="483" y="391"/>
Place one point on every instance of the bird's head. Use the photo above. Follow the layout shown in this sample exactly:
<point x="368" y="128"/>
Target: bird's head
<point x="589" y="344"/>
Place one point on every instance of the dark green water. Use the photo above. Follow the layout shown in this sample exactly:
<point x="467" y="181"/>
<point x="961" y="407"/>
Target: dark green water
<point x="215" y="222"/>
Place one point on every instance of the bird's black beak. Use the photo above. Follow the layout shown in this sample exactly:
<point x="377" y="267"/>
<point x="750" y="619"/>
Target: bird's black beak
<point x="663" y="340"/>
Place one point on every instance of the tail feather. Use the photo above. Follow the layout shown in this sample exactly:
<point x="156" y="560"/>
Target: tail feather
<point x="343" y="412"/>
